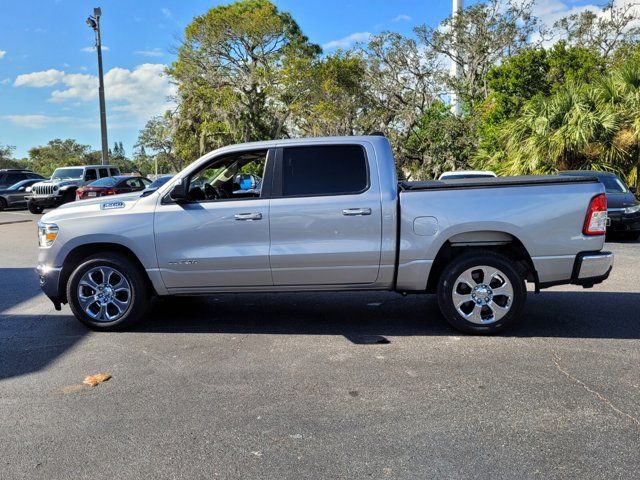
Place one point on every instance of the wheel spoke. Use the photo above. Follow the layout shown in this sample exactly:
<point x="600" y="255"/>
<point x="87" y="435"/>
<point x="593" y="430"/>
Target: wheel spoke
<point x="497" y="310"/>
<point x="461" y="298"/>
<point x="504" y="289"/>
<point x="475" y="314"/>
<point x="467" y="279"/>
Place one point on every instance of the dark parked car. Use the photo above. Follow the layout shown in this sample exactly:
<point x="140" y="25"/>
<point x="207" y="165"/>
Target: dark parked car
<point x="156" y="184"/>
<point x="11" y="176"/>
<point x="622" y="206"/>
<point x="112" y="186"/>
<point x="13" y="197"/>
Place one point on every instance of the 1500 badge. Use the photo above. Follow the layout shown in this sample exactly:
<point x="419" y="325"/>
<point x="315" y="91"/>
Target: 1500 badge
<point x="111" y="205"/>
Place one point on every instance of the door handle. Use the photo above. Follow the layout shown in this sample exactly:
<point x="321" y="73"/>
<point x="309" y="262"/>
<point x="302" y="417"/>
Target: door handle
<point x="248" y="216"/>
<point x="352" y="212"/>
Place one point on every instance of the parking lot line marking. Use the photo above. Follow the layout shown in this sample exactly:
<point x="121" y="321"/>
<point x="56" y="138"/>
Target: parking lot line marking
<point x="15" y="221"/>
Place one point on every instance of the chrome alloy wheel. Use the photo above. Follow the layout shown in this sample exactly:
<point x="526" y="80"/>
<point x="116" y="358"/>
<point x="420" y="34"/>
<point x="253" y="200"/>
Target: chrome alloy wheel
<point x="104" y="294"/>
<point x="482" y="295"/>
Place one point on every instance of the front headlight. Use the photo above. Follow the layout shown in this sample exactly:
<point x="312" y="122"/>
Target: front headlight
<point x="634" y="209"/>
<point x="47" y="234"/>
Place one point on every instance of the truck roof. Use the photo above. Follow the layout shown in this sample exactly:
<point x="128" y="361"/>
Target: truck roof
<point x="90" y="166"/>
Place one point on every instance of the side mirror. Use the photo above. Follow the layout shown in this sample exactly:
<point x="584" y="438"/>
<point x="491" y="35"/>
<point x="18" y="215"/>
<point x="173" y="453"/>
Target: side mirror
<point x="179" y="192"/>
<point x="633" y="190"/>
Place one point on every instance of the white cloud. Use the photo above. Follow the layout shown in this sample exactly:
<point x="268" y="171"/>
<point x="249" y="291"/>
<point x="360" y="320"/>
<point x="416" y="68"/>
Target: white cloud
<point x="166" y="12"/>
<point x="5" y="81"/>
<point x="2" y="53"/>
<point x="154" y="52"/>
<point x="45" y="78"/>
<point x="402" y="18"/>
<point x="92" y="49"/>
<point x="138" y="93"/>
<point x="36" y="121"/>
<point x="347" y="41"/>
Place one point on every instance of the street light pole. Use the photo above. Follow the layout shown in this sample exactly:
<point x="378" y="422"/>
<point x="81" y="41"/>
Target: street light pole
<point x="94" y="23"/>
<point x="458" y="5"/>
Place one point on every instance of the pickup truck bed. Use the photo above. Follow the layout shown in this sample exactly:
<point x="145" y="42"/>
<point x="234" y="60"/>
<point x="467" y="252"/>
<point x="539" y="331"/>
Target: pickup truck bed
<point x="495" y="182"/>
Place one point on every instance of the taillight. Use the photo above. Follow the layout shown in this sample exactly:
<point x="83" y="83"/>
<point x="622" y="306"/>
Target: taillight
<point x="78" y="194"/>
<point x="595" y="222"/>
<point x="110" y="191"/>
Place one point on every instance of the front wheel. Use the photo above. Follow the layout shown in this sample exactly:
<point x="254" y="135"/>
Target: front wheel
<point x="33" y="208"/>
<point x="107" y="292"/>
<point x="481" y="292"/>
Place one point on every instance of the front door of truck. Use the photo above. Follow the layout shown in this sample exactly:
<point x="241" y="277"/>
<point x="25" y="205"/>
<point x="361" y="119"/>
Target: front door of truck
<point x="325" y="216"/>
<point x="220" y="236"/>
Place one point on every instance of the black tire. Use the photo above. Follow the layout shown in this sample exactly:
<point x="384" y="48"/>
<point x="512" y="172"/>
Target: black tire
<point x="36" y="209"/>
<point x="627" y="235"/>
<point x="69" y="196"/>
<point x="450" y="279"/>
<point x="3" y="204"/>
<point x="139" y="291"/>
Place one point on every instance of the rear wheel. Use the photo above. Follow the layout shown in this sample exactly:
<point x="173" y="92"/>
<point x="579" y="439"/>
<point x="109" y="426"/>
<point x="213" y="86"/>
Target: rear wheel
<point x="3" y="204"/>
<point x="69" y="196"/>
<point x="107" y="292"/>
<point x="481" y="293"/>
<point x="33" y="208"/>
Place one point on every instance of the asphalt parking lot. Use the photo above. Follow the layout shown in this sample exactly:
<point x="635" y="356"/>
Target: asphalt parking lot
<point x="357" y="385"/>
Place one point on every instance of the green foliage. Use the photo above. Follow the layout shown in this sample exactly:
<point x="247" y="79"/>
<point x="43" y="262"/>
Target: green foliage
<point x="6" y="157"/>
<point x="440" y="142"/>
<point x="158" y="137"/>
<point x="59" y="153"/>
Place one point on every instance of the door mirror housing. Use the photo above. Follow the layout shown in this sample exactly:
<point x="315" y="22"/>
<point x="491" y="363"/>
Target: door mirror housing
<point x="179" y="193"/>
<point x="633" y="190"/>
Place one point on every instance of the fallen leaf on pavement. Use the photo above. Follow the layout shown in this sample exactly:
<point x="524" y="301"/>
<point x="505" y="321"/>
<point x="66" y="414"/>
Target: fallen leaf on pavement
<point x="95" y="380"/>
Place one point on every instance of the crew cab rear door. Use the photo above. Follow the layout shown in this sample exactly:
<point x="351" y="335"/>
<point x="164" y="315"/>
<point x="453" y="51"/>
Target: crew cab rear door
<point x="325" y="215"/>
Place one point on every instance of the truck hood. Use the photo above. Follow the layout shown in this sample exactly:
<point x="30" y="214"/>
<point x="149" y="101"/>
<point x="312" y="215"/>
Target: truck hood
<point x="93" y="207"/>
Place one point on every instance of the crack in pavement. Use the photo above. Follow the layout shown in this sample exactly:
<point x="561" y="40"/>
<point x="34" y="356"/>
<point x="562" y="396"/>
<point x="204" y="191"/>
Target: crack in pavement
<point x="599" y="396"/>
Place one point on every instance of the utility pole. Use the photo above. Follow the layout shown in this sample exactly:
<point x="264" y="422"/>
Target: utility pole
<point x="458" y="5"/>
<point x="94" y="23"/>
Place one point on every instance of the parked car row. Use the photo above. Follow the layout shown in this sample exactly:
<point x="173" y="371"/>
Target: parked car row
<point x="21" y="188"/>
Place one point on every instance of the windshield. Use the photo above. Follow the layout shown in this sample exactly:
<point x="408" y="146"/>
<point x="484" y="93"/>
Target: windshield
<point x="64" y="173"/>
<point x="157" y="183"/>
<point x="613" y="185"/>
<point x="21" y="183"/>
<point x="104" y="182"/>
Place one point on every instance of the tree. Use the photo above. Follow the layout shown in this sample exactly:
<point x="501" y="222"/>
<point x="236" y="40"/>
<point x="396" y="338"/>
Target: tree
<point x="6" y="157"/>
<point x="327" y="95"/>
<point x="230" y="71"/>
<point x="57" y="153"/>
<point x="441" y="142"/>
<point x="602" y="32"/>
<point x="476" y="39"/>
<point x="402" y="82"/>
<point x="158" y="137"/>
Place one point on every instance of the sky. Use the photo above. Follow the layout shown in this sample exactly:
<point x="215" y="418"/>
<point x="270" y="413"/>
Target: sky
<point x="48" y="65"/>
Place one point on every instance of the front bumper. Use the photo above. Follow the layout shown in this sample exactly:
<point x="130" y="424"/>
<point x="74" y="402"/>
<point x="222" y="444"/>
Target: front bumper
<point x="623" y="222"/>
<point x="46" y="201"/>
<point x="49" y="278"/>
<point x="591" y="268"/>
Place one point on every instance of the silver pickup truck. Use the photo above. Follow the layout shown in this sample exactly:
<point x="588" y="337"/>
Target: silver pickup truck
<point x="325" y="214"/>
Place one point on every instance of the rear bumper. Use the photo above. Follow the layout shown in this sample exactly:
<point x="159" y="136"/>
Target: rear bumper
<point x="591" y="268"/>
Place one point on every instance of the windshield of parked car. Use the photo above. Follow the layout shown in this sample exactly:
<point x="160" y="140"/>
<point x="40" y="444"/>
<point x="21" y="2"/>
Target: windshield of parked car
<point x="613" y="185"/>
<point x="104" y="182"/>
<point x="158" y="182"/>
<point x="64" y="173"/>
<point x="21" y="183"/>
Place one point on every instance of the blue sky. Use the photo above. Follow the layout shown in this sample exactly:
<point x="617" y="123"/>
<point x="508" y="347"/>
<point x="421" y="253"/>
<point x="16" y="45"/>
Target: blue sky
<point x="48" y="84"/>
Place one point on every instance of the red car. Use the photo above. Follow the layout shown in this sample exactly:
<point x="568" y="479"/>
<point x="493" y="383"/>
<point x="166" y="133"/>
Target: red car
<point x="112" y="186"/>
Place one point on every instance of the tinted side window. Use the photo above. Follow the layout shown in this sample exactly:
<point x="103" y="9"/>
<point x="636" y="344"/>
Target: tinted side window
<point x="324" y="170"/>
<point x="14" y="178"/>
<point x="114" y="172"/>
<point x="103" y="172"/>
<point x="90" y="174"/>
